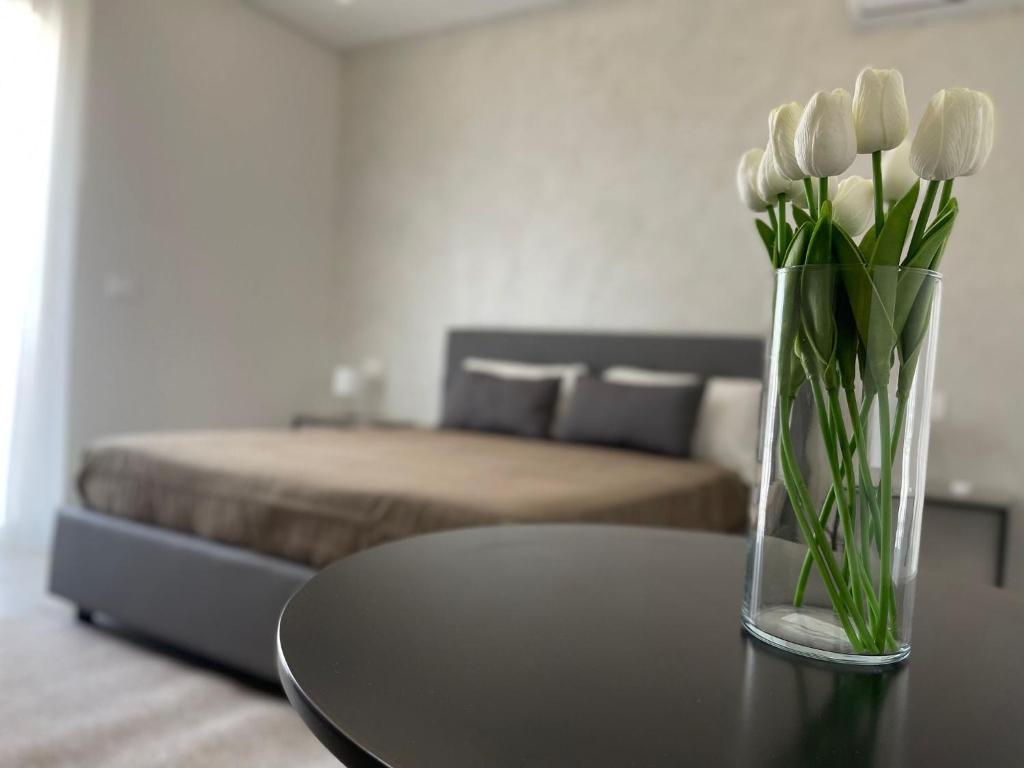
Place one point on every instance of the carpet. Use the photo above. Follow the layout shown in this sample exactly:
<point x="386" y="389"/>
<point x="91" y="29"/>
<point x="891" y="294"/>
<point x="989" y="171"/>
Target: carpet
<point x="73" y="694"/>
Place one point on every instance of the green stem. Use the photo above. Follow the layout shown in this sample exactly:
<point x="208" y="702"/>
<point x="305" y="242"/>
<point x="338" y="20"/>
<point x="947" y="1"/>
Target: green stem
<point x="816" y="548"/>
<point x="823" y="518"/>
<point x="885" y="497"/>
<point x="947" y="192"/>
<point x="812" y="205"/>
<point x="867" y="488"/>
<point x="863" y="593"/>
<point x="860" y="562"/>
<point x="822" y="190"/>
<point x="832" y="430"/>
<point x="846" y="471"/>
<point x="805" y="569"/>
<point x="897" y="432"/>
<point x="780" y="230"/>
<point x="817" y="542"/>
<point x="922" y="218"/>
<point x="876" y="173"/>
<point x="898" y="419"/>
<point x="773" y="219"/>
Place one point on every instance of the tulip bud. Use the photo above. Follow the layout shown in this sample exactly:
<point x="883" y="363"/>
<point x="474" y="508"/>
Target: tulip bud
<point x="955" y="135"/>
<point x="826" y="142"/>
<point x="771" y="183"/>
<point x="746" y="180"/>
<point x="897" y="175"/>
<point x="797" y="195"/>
<point x="880" y="115"/>
<point x="854" y="205"/>
<point x="782" y="124"/>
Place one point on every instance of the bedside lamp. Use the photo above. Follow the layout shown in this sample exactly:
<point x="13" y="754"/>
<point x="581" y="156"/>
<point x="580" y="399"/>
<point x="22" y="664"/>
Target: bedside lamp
<point x="344" y="388"/>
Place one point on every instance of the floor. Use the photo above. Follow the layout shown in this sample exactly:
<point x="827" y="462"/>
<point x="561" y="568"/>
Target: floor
<point x="75" y="694"/>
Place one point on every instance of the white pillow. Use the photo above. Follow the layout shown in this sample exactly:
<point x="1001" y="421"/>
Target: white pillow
<point x="727" y="425"/>
<point x="645" y="377"/>
<point x="569" y="373"/>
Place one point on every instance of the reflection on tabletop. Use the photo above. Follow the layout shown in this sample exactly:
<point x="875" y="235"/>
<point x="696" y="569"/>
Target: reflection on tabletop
<point x="842" y="717"/>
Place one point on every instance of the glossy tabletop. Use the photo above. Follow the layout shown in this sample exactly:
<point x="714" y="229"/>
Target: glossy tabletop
<point x="594" y="647"/>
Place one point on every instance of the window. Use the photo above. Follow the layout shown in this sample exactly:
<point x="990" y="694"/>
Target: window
<point x="29" y="54"/>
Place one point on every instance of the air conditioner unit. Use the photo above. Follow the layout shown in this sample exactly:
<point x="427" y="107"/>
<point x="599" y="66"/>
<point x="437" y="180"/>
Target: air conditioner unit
<point x="875" y="12"/>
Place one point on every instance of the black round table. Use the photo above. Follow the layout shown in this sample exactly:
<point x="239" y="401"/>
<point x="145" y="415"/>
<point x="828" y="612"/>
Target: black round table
<point x="596" y="646"/>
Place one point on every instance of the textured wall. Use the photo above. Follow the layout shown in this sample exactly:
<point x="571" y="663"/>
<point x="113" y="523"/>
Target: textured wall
<point x="206" y="220"/>
<point x="575" y="168"/>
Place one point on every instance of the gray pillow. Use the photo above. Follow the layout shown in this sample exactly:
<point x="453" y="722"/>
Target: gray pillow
<point x="485" y="403"/>
<point x="643" y="417"/>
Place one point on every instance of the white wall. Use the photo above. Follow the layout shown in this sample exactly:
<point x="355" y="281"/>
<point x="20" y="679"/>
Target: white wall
<point x="209" y="190"/>
<point x="571" y="168"/>
<point x="575" y="168"/>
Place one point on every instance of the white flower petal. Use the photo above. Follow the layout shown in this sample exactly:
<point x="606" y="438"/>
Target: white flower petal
<point x="854" y="205"/>
<point x="897" y="175"/>
<point x="880" y="114"/>
<point x="826" y="142"/>
<point x="782" y="123"/>
<point x="746" y="180"/>
<point x="954" y="137"/>
<point x="770" y="183"/>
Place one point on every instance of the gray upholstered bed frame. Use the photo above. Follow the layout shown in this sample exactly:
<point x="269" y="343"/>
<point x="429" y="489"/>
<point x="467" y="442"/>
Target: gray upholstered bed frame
<point x="222" y="602"/>
<point x="741" y="356"/>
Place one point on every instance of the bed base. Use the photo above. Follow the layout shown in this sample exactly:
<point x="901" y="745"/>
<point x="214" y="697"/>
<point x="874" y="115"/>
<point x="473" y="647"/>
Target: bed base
<point x="214" y="600"/>
<point x="223" y="602"/>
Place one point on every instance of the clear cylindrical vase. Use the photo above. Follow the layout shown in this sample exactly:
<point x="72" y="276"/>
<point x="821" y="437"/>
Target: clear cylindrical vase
<point x="833" y="548"/>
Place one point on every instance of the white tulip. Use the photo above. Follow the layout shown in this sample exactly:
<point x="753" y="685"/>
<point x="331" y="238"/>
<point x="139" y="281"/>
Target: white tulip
<point x="955" y="135"/>
<point x="826" y="142"/>
<point x="746" y="180"/>
<point x="854" y="205"/>
<point x="782" y="123"/>
<point x="880" y="115"/>
<point x="797" y="195"/>
<point x="771" y="183"/>
<point x="897" y="175"/>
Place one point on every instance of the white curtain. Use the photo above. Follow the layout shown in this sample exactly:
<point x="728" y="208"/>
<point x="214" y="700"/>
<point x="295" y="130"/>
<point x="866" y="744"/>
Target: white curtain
<point x="42" y="57"/>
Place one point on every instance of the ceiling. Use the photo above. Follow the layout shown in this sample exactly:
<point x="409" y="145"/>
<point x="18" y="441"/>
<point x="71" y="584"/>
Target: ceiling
<point x="351" y="23"/>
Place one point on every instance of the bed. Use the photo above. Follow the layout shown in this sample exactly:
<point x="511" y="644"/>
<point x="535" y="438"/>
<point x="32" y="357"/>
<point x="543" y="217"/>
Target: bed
<point x="199" y="538"/>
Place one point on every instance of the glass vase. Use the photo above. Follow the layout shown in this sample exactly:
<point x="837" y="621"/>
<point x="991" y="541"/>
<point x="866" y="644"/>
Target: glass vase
<point x="833" y="548"/>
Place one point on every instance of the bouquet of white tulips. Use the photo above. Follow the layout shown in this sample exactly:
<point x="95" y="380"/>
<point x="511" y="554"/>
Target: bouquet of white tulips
<point x="858" y="256"/>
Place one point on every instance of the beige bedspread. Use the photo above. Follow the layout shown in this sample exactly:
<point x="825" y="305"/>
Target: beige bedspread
<point x="314" y="495"/>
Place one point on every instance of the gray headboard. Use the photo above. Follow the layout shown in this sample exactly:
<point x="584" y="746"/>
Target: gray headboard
<point x="741" y="356"/>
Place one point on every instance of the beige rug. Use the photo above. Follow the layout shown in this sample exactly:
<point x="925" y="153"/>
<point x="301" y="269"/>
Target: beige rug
<point x="75" y="695"/>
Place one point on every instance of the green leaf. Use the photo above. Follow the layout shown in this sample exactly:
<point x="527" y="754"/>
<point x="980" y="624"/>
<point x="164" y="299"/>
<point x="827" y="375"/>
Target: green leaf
<point x="800" y="216"/>
<point x="819" y="249"/>
<point x="767" y="237"/>
<point x="791" y="375"/>
<point x="787" y="238"/>
<point x="889" y="248"/>
<point x="872" y="298"/>
<point x="817" y="307"/>
<point x="882" y="335"/>
<point x="937" y="261"/>
<point x="818" y="291"/>
<point x="865" y="373"/>
<point x="934" y="238"/>
<point x="846" y="340"/>
<point x="927" y="256"/>
<point x="855" y="279"/>
<point x="797" y="251"/>
<point x="913" y="336"/>
<point x="867" y="245"/>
